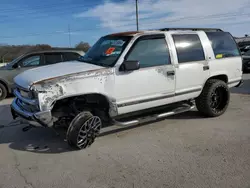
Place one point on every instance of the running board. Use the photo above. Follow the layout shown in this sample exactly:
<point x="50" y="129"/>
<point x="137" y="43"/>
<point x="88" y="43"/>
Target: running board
<point x="154" y="117"/>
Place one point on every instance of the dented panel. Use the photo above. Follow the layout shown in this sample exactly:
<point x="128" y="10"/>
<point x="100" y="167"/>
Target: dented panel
<point x="51" y="72"/>
<point x="99" y="81"/>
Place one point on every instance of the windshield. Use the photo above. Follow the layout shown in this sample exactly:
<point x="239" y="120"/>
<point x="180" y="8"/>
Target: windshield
<point x="106" y="51"/>
<point x="10" y="64"/>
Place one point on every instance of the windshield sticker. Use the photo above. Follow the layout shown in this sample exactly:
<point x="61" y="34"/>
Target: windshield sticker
<point x="115" y="53"/>
<point x="105" y="43"/>
<point x="118" y="43"/>
<point x="218" y="56"/>
<point x="110" y="51"/>
<point x="113" y="43"/>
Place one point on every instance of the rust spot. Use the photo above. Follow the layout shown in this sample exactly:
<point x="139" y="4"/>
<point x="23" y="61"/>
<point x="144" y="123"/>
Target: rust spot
<point x="67" y="75"/>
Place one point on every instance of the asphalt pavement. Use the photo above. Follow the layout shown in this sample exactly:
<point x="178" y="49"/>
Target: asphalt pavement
<point x="185" y="150"/>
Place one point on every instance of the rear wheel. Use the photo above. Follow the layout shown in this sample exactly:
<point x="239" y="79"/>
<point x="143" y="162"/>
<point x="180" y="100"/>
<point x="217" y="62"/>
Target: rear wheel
<point x="83" y="130"/>
<point x="3" y="92"/>
<point x="214" y="99"/>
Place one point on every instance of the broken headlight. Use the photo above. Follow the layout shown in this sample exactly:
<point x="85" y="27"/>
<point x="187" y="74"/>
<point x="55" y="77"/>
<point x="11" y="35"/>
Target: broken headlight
<point x="33" y="94"/>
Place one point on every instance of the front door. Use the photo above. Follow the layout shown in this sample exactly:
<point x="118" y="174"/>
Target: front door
<point x="153" y="84"/>
<point x="24" y="64"/>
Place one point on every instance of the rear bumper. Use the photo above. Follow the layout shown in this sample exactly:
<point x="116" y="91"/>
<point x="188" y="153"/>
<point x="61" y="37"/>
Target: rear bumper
<point x="43" y="119"/>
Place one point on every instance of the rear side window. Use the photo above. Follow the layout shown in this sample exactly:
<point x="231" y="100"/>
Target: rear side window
<point x="223" y="45"/>
<point x="53" y="58"/>
<point x="70" y="56"/>
<point x="188" y="47"/>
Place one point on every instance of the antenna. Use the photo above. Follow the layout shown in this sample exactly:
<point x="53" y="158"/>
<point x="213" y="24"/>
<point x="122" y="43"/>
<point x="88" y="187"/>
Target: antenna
<point x="137" y="19"/>
<point x="69" y="35"/>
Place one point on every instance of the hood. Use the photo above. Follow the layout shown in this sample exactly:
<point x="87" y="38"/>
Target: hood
<point x="28" y="77"/>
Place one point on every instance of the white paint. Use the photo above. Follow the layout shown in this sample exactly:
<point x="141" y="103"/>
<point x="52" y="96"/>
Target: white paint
<point x="140" y="88"/>
<point x="28" y="77"/>
<point x="143" y="84"/>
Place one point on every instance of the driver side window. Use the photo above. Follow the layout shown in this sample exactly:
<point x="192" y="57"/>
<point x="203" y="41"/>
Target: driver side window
<point x="150" y="52"/>
<point x="31" y="61"/>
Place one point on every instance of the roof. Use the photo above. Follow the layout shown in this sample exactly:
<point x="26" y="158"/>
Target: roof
<point x="128" y="33"/>
<point x="132" y="33"/>
<point x="51" y="51"/>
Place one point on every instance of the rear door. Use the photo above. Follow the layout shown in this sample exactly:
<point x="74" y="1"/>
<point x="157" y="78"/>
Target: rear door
<point x="52" y="58"/>
<point x="70" y="56"/>
<point x="226" y="57"/>
<point x="192" y="68"/>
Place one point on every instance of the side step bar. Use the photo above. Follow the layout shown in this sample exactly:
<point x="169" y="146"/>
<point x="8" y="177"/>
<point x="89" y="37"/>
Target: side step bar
<point x="154" y="117"/>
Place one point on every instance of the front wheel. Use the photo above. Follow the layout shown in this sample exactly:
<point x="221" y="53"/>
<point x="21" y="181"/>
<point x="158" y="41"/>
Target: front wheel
<point x="83" y="130"/>
<point x="214" y="99"/>
<point x="3" y="92"/>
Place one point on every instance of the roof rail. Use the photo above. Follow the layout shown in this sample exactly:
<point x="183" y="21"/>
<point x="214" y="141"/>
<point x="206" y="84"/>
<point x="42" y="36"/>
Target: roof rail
<point x="193" y="29"/>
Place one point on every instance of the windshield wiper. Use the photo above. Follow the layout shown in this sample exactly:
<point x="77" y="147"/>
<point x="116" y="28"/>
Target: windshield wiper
<point x="93" y="63"/>
<point x="100" y="64"/>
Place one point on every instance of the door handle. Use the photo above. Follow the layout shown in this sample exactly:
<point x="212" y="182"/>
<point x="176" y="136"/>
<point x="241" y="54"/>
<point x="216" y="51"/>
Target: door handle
<point x="205" y="67"/>
<point x="170" y="73"/>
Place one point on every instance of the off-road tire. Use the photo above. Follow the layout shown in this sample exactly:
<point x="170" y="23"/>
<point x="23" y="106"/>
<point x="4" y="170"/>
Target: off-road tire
<point x="83" y="126"/>
<point x="204" y="101"/>
<point x="3" y="92"/>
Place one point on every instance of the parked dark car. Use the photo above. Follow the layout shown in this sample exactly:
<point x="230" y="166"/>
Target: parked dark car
<point x="244" y="49"/>
<point x="29" y="61"/>
<point x="246" y="61"/>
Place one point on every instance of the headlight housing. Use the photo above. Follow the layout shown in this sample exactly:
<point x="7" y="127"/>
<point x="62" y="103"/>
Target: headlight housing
<point x="33" y="94"/>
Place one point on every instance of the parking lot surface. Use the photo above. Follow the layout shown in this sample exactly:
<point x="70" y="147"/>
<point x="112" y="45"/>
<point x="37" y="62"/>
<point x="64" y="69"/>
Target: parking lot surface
<point x="185" y="150"/>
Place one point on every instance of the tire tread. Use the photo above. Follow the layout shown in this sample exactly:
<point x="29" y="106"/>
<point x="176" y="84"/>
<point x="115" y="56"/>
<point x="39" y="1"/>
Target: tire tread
<point x="202" y="101"/>
<point x="4" y="91"/>
<point x="75" y="127"/>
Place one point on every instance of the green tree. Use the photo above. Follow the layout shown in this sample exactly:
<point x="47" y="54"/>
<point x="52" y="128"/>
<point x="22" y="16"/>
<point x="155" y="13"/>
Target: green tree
<point x="83" y="46"/>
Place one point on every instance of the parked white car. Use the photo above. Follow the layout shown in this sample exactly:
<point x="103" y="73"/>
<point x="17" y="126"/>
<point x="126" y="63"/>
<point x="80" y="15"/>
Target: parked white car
<point x="128" y="78"/>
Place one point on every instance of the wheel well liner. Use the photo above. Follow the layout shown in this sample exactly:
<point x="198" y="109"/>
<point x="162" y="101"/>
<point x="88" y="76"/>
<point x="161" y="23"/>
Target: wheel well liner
<point x="222" y="77"/>
<point x="93" y="100"/>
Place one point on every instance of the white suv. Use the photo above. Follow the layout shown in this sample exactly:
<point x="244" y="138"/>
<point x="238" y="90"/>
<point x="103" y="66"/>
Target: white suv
<point x="132" y="77"/>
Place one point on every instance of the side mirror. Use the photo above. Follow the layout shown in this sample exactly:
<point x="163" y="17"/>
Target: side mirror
<point x="130" y="66"/>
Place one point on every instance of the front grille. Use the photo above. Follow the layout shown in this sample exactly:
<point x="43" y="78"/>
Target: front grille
<point x="27" y="107"/>
<point x="23" y="98"/>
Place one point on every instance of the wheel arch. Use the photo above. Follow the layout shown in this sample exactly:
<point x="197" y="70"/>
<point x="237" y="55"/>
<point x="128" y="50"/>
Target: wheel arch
<point x="222" y="77"/>
<point x="98" y="100"/>
<point x="2" y="81"/>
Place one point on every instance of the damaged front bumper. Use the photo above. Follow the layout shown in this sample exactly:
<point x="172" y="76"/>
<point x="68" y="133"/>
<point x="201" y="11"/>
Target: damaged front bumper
<point x="43" y="118"/>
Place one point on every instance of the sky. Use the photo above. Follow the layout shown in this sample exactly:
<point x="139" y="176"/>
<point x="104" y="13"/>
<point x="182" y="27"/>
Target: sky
<point x="51" y="21"/>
